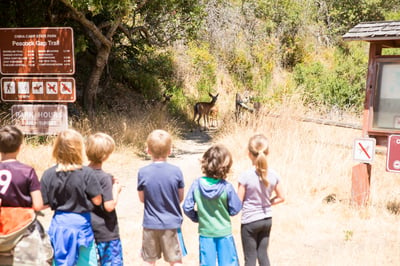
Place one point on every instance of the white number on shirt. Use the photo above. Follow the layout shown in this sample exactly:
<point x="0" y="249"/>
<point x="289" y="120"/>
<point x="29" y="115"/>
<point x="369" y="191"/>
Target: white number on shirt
<point x="5" y="180"/>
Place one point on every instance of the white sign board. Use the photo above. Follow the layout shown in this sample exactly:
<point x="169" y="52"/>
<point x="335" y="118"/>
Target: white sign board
<point x="40" y="119"/>
<point x="364" y="149"/>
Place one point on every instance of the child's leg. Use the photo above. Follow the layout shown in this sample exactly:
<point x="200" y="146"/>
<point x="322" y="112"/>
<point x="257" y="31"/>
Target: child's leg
<point x="249" y="244"/>
<point x="87" y="255"/>
<point x="171" y="246"/>
<point x="110" y="253"/>
<point x="208" y="251"/>
<point x="263" y="241"/>
<point x="226" y="250"/>
<point x="151" y="248"/>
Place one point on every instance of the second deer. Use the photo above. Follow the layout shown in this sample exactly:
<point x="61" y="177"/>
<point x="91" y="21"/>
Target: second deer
<point x="202" y="109"/>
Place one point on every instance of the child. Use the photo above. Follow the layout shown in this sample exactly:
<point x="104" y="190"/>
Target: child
<point x="19" y="184"/>
<point x="71" y="189"/>
<point x="160" y="188"/>
<point x="256" y="186"/>
<point x="20" y="195"/>
<point x="104" y="217"/>
<point x="216" y="200"/>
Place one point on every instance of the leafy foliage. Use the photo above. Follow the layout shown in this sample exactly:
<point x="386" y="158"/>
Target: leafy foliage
<point x="341" y="86"/>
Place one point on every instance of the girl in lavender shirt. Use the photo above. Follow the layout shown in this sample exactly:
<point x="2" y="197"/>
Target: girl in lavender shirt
<point x="256" y="188"/>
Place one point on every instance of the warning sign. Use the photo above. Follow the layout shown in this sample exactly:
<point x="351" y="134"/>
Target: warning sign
<point x="37" y="89"/>
<point x="37" y="51"/>
<point x="364" y="149"/>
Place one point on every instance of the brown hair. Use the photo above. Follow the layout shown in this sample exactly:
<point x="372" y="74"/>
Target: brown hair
<point x="216" y="162"/>
<point x="159" y="144"/>
<point x="68" y="150"/>
<point x="99" y="146"/>
<point x="10" y="139"/>
<point x="258" y="148"/>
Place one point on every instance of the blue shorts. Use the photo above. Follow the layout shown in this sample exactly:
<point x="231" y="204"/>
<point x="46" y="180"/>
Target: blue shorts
<point x="221" y="249"/>
<point x="110" y="253"/>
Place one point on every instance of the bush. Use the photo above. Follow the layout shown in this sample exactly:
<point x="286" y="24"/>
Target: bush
<point x="341" y="85"/>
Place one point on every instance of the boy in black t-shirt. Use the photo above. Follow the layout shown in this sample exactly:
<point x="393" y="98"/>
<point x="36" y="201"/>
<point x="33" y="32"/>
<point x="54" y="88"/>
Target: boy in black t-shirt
<point x="104" y="217"/>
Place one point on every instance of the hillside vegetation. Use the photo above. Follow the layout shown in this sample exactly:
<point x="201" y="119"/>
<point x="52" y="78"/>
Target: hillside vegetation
<point x="128" y="53"/>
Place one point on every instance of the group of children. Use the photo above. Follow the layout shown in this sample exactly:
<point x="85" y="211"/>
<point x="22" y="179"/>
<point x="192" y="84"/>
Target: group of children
<point x="84" y="227"/>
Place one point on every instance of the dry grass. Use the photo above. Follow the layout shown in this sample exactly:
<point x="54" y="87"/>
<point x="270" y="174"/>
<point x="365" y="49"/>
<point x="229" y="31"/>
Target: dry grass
<point x="315" y="161"/>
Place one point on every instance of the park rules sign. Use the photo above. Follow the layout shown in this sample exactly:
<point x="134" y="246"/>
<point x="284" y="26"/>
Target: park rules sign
<point x="37" y="51"/>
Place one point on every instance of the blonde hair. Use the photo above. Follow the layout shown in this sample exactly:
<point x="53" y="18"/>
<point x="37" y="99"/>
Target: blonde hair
<point x="159" y="143"/>
<point x="216" y="162"/>
<point x="68" y="150"/>
<point x="99" y="146"/>
<point x="258" y="148"/>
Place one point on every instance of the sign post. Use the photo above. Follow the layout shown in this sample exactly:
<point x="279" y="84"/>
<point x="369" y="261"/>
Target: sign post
<point x="364" y="152"/>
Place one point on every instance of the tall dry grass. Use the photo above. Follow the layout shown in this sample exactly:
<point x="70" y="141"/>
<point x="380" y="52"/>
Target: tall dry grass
<point x="319" y="224"/>
<point x="315" y="162"/>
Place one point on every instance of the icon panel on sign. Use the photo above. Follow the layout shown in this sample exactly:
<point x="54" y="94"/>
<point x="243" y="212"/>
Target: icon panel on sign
<point x="66" y="87"/>
<point x="37" y="87"/>
<point x="51" y="87"/>
<point x="9" y="87"/>
<point x="23" y="87"/>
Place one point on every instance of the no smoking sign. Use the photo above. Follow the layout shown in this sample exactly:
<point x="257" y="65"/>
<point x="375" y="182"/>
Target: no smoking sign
<point x="393" y="154"/>
<point x="364" y="149"/>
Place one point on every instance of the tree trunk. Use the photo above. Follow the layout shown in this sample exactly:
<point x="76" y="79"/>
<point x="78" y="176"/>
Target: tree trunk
<point x="90" y="94"/>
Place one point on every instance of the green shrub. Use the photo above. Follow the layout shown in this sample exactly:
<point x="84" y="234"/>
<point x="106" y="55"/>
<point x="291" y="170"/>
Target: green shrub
<point x="341" y="85"/>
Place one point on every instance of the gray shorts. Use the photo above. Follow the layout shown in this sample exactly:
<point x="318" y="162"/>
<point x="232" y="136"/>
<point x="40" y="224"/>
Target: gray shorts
<point x="155" y="242"/>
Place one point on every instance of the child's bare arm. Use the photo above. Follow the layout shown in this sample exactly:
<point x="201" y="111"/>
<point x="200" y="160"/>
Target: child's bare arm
<point x="279" y="197"/>
<point x="181" y="192"/>
<point x="96" y="200"/>
<point x="141" y="196"/>
<point x="37" y="200"/>
<point x="241" y="191"/>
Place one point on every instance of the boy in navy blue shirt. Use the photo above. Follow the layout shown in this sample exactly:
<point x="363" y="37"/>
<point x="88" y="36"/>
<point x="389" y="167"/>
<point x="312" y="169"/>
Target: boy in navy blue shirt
<point x="161" y="188"/>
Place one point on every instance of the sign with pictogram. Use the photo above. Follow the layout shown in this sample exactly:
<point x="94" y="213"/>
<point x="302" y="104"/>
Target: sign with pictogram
<point x="393" y="154"/>
<point x="40" y="118"/>
<point x="38" y="89"/>
<point x="37" y="51"/>
<point x="364" y="149"/>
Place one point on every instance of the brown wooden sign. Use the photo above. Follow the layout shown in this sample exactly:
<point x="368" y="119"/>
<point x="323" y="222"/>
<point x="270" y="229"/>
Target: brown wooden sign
<point x="37" y="119"/>
<point x="38" y="89"/>
<point x="37" y="51"/>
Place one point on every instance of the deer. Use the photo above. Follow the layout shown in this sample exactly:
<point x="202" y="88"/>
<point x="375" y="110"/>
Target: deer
<point x="202" y="109"/>
<point x="214" y="116"/>
<point x="241" y="105"/>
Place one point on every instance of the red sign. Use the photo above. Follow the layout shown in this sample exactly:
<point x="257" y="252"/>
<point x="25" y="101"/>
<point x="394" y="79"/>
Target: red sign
<point x="33" y="51"/>
<point x="393" y="154"/>
<point x="40" y="118"/>
<point x="37" y="89"/>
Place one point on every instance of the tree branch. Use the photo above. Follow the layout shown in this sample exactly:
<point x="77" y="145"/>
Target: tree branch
<point x="94" y="32"/>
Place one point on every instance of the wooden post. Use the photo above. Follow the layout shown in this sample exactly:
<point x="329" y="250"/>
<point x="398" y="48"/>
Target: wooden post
<point x="361" y="177"/>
